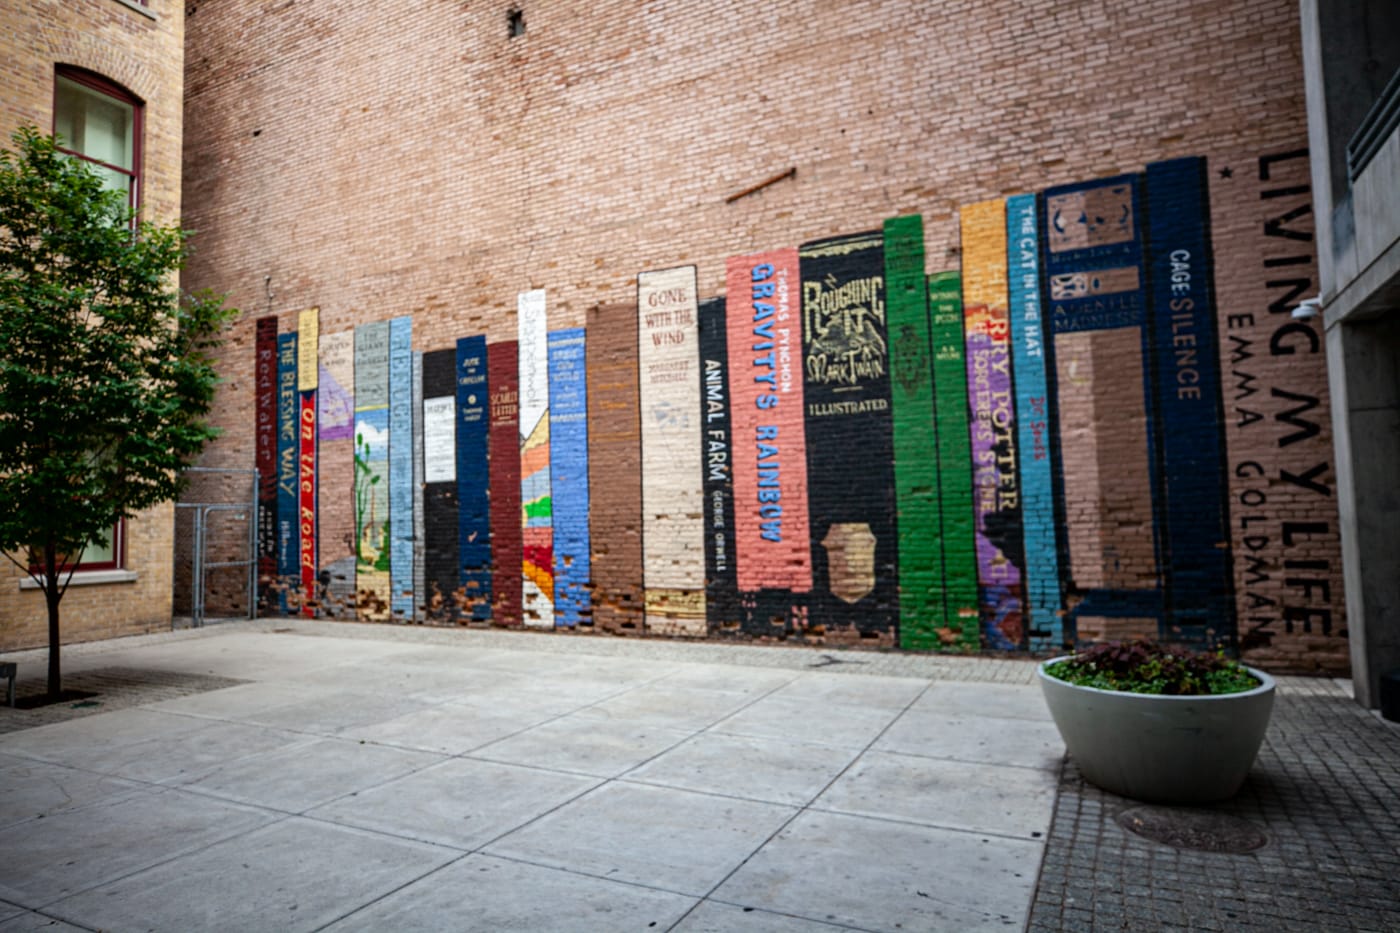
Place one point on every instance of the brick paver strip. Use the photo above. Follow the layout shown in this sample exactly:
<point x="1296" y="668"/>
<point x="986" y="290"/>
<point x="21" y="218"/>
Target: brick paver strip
<point x="1324" y="791"/>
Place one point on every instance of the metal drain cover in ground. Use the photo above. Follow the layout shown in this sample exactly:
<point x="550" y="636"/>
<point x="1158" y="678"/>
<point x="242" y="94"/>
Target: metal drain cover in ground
<point x="1205" y="830"/>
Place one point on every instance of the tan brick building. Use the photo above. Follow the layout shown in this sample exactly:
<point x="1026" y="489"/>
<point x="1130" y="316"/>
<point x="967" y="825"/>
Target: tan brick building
<point x="109" y="76"/>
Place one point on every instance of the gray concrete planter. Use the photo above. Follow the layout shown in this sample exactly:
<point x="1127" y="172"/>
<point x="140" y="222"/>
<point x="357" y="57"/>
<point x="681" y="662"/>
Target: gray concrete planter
<point x="1163" y="749"/>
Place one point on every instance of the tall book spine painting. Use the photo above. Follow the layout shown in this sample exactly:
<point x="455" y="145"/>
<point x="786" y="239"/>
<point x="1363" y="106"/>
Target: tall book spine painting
<point x="308" y="328"/>
<point x="957" y="523"/>
<point x="507" y="547"/>
<point x="850" y="451"/>
<point x="1028" y="354"/>
<point x="721" y="590"/>
<point x="335" y="462"/>
<point x="614" y="469"/>
<point x="474" y="512"/>
<point x="915" y="436"/>
<point x="996" y="496"/>
<point x="1195" y="565"/>
<point x="536" y="498"/>
<point x="673" y="529"/>
<point x="371" y="488"/>
<point x="401" y="467"/>
<point x="568" y="476"/>
<point x="772" y="541"/>
<point x="1102" y="435"/>
<point x="265" y="439"/>
<point x="418" y="554"/>
<point x="440" y="546"/>
<point x="288" y="448"/>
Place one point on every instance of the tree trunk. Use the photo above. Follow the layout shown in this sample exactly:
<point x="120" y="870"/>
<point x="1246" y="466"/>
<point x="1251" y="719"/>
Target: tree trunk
<point x="52" y="594"/>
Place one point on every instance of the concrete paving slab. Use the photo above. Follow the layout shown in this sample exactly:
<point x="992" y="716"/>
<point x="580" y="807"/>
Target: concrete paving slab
<point x="866" y="690"/>
<point x="879" y="875"/>
<point x="1020" y="742"/>
<point x="481" y="894"/>
<point x="1002" y="701"/>
<point x="766" y="769"/>
<point x="714" y="917"/>
<point x="92" y="740"/>
<point x="294" y="875"/>
<point x="584" y="745"/>
<point x="1017" y="802"/>
<point x="75" y="850"/>
<point x="242" y="702"/>
<point x="460" y="802"/>
<point x="30" y="789"/>
<point x="8" y="910"/>
<point x="332" y="713"/>
<point x="300" y="776"/>
<point x="803" y="720"/>
<point x="668" y="705"/>
<point x="29" y="922"/>
<point x="179" y="759"/>
<point x="449" y="728"/>
<point x="749" y="681"/>
<point x="657" y="836"/>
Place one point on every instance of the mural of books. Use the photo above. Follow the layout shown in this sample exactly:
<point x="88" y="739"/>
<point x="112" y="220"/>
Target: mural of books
<point x="1068" y="438"/>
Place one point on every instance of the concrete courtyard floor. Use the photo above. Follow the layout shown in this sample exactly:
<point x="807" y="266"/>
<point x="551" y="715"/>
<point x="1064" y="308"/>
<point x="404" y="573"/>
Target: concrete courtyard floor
<point x="296" y="775"/>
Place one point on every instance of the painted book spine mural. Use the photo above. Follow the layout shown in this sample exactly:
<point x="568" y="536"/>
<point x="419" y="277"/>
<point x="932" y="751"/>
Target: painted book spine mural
<point x="850" y="450"/>
<point x="308" y="369"/>
<point x="536" y="497"/>
<point x="996" y="493"/>
<point x="419" y="555"/>
<point x="371" y="488"/>
<point x="1195" y="564"/>
<point x="921" y="609"/>
<point x="1028" y="352"/>
<point x="1286" y="553"/>
<point x="265" y="440"/>
<point x="568" y="476"/>
<point x="440" y="500"/>
<point x="961" y="630"/>
<point x="507" y="541"/>
<point x="722" y="611"/>
<point x="772" y="537"/>
<point x="614" y="469"/>
<point x="401" y="467"/>
<point x="474" y="514"/>
<point x="1103" y="440"/>
<point x="673" y="529"/>
<point x="288" y="449"/>
<point x="335" y="468"/>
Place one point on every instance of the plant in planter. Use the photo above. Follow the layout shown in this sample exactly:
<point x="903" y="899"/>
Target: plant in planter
<point x="1158" y="723"/>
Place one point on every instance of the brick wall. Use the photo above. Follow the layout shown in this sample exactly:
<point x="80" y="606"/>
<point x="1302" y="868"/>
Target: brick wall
<point x="378" y="162"/>
<point x="145" y="55"/>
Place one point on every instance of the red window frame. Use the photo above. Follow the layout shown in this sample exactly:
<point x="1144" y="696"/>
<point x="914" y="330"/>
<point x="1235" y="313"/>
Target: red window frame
<point x="118" y="561"/>
<point x="96" y="82"/>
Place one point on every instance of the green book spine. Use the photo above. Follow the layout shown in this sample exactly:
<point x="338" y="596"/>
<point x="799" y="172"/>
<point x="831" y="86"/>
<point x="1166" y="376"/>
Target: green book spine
<point x="921" y="598"/>
<point x="958" y="527"/>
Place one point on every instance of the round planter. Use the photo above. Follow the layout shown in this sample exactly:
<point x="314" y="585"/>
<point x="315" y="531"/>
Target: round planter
<point x="1162" y="749"/>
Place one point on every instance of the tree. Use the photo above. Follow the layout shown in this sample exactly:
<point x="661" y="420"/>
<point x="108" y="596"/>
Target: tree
<point x="106" y="377"/>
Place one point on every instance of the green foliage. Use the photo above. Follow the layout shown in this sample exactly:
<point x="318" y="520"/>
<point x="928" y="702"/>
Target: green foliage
<point x="106" y="376"/>
<point x="1146" y="667"/>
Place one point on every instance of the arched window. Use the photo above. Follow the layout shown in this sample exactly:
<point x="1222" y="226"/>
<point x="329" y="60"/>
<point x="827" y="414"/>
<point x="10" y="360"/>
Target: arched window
<point x="99" y="122"/>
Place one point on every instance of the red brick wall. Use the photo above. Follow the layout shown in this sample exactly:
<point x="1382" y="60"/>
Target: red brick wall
<point x="378" y="161"/>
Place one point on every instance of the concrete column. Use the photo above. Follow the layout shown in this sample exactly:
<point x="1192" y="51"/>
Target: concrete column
<point x="1364" y="360"/>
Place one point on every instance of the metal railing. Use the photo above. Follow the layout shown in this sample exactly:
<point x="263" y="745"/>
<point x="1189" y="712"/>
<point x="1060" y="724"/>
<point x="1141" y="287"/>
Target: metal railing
<point x="1374" y="130"/>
